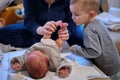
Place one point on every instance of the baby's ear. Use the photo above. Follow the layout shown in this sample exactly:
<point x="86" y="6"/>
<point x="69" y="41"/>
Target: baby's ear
<point x="92" y="14"/>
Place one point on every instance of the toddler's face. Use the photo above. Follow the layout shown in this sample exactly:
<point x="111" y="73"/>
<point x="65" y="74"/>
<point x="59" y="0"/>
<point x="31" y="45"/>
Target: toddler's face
<point x="79" y="16"/>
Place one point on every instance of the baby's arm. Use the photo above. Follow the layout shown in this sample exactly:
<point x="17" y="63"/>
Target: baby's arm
<point x="64" y="68"/>
<point x="18" y="63"/>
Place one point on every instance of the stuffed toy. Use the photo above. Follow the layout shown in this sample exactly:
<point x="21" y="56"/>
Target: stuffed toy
<point x="4" y="4"/>
<point x="2" y="22"/>
<point x="12" y="14"/>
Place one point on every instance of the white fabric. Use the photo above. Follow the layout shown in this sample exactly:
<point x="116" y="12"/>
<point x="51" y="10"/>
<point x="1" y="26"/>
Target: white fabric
<point x="114" y="11"/>
<point x="52" y="76"/>
<point x="112" y="22"/>
<point x="81" y="69"/>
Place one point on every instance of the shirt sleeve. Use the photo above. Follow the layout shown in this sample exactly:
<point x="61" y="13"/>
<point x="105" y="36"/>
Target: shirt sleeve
<point x="92" y="46"/>
<point x="29" y="20"/>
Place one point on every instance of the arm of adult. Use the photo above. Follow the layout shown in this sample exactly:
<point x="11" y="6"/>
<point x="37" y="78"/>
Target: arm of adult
<point x="30" y="21"/>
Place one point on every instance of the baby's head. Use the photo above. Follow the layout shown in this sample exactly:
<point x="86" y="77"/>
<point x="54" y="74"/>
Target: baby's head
<point x="37" y="64"/>
<point x="84" y="10"/>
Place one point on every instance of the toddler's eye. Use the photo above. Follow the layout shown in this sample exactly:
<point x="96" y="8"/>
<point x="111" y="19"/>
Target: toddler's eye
<point x="76" y="14"/>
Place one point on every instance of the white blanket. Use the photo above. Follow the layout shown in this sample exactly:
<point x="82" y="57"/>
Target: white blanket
<point x="82" y="69"/>
<point x="111" y="22"/>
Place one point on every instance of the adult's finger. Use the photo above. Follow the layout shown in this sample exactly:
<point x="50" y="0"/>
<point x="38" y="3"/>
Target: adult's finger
<point x="51" y="26"/>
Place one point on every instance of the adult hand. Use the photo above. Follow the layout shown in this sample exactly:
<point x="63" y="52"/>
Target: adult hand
<point x="47" y="29"/>
<point x="63" y="32"/>
<point x="51" y="27"/>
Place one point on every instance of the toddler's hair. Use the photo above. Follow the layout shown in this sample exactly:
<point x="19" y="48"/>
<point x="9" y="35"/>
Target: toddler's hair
<point x="87" y="5"/>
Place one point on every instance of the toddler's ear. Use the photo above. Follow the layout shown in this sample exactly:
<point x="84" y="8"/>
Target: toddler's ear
<point x="92" y="14"/>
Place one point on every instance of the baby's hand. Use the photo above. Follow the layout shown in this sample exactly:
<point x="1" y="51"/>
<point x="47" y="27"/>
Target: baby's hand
<point x="16" y="66"/>
<point x="64" y="72"/>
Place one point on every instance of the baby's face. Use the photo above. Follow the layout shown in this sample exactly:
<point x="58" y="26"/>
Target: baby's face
<point x="16" y="66"/>
<point x="79" y="15"/>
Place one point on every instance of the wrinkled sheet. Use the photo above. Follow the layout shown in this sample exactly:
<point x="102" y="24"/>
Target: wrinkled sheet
<point x="82" y="69"/>
<point x="111" y="22"/>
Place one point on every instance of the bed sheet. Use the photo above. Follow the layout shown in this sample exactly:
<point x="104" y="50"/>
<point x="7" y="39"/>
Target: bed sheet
<point x="81" y="69"/>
